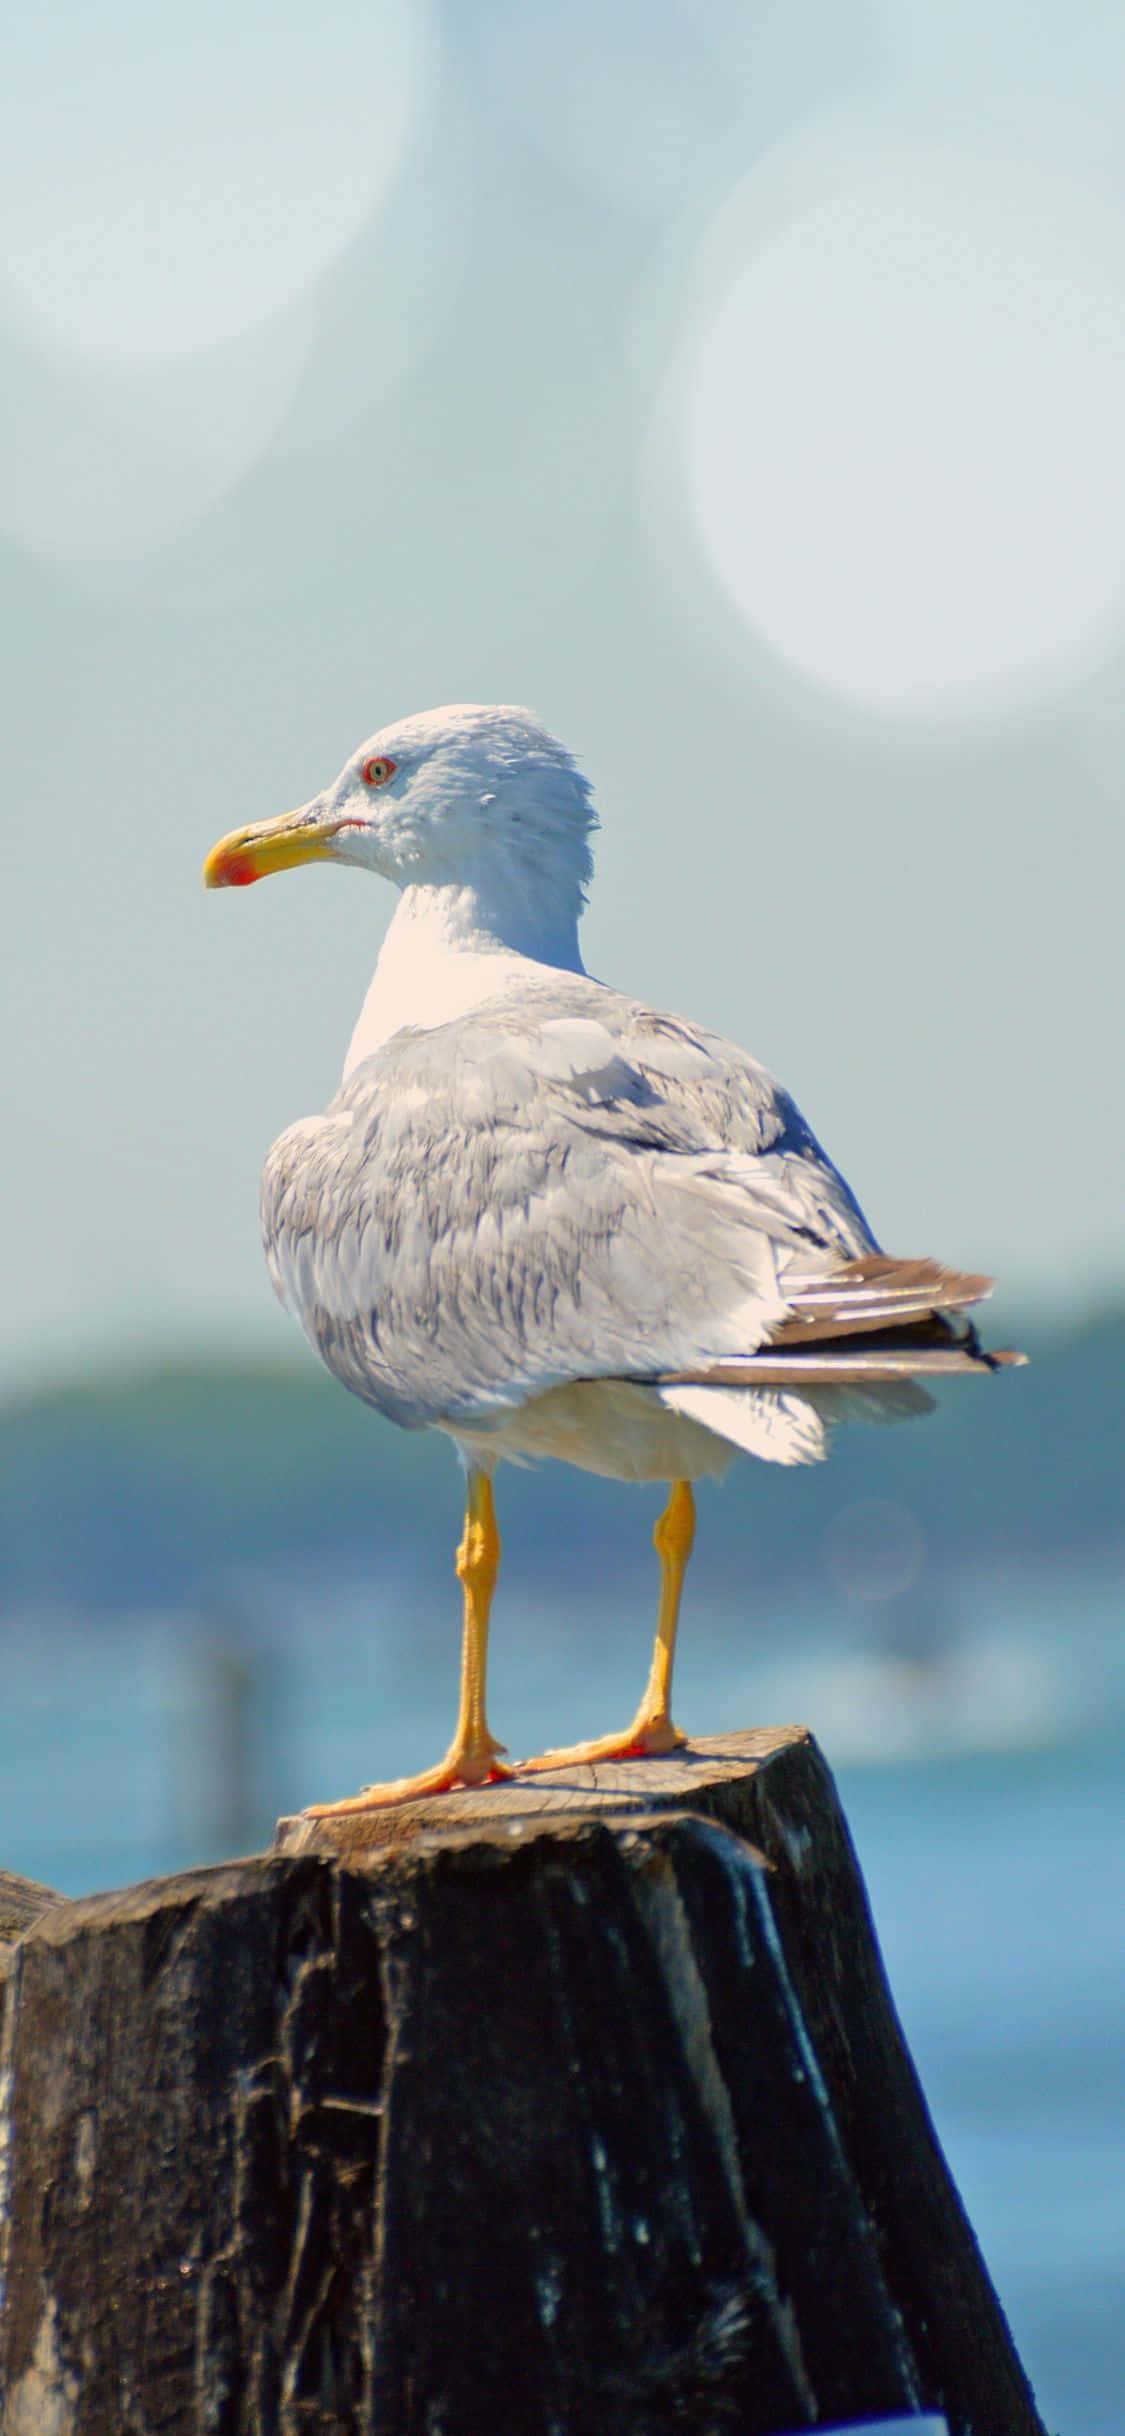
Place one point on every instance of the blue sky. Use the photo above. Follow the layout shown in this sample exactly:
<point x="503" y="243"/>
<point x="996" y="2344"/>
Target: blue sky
<point x="744" y="390"/>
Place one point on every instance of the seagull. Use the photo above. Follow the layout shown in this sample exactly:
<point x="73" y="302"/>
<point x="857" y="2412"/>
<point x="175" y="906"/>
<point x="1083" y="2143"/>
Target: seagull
<point x="553" y="1221"/>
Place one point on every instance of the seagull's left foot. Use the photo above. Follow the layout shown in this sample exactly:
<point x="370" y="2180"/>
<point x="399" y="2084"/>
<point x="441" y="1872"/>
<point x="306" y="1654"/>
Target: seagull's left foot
<point x="474" y="1756"/>
<point x="465" y="1764"/>
<point x="647" y="1738"/>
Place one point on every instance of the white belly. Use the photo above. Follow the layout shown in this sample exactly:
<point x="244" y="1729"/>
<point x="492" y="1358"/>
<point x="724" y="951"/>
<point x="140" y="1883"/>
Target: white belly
<point x="609" y="1426"/>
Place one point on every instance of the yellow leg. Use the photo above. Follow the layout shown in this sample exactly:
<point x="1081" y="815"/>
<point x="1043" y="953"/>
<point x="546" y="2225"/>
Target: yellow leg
<point x="473" y="1757"/>
<point x="652" y="1731"/>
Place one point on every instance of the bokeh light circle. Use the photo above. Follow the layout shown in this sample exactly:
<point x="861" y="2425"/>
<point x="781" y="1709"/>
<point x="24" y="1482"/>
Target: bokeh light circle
<point x="874" y="1550"/>
<point x="102" y="456"/>
<point x="174" y="187"/>
<point x="170" y="178"/>
<point x="903" y="410"/>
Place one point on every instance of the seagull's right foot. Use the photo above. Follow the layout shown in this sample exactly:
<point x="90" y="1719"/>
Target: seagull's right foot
<point x="465" y="1764"/>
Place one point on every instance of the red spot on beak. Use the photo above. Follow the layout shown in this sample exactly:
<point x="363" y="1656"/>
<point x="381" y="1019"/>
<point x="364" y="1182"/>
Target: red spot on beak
<point x="234" y="870"/>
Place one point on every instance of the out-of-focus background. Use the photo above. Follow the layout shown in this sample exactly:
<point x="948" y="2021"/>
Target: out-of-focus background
<point x="744" y="388"/>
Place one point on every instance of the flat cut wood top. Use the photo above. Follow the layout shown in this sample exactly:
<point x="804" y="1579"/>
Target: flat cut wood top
<point x="688" y="1780"/>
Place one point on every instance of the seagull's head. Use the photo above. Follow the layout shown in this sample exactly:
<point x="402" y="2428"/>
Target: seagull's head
<point x="471" y="796"/>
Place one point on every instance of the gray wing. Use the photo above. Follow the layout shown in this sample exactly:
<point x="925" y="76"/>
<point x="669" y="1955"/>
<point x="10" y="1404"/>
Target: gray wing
<point x="561" y="1185"/>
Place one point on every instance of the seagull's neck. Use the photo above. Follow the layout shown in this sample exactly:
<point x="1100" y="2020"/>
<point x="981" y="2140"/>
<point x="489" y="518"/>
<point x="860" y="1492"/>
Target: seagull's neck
<point x="450" y="948"/>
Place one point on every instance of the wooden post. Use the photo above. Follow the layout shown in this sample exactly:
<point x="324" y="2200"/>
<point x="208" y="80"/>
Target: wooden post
<point x="579" y="2109"/>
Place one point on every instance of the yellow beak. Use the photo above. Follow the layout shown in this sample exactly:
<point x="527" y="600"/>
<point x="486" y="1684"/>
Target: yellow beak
<point x="270" y="845"/>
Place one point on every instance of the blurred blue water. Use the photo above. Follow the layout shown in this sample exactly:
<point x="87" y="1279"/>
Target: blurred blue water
<point x="978" y="1751"/>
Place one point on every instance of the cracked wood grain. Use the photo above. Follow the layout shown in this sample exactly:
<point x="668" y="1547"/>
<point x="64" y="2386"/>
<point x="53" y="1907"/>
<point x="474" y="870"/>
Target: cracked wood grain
<point x="22" y="1900"/>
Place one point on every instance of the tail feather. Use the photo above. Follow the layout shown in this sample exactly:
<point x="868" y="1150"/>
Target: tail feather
<point x="860" y="1365"/>
<point x="854" y="1345"/>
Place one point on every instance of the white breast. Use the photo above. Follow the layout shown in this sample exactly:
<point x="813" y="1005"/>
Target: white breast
<point x="445" y="953"/>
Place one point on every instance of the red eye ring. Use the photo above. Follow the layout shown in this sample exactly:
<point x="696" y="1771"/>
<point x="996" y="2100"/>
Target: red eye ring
<point x="377" y="771"/>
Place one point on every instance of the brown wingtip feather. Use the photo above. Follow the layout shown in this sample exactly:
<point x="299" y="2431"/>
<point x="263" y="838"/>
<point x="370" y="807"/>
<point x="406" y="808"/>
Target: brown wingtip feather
<point x="887" y="1270"/>
<point x="872" y="1322"/>
<point x="878" y="1292"/>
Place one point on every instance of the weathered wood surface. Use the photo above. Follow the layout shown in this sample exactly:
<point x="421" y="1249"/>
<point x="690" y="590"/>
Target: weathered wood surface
<point x="550" y="2112"/>
<point x="22" y="1900"/>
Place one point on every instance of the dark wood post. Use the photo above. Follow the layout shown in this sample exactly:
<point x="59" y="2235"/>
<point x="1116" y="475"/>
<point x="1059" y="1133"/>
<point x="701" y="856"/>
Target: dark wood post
<point x="581" y="2111"/>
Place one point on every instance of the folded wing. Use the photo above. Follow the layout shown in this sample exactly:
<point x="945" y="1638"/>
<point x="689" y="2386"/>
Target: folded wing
<point x="564" y="1185"/>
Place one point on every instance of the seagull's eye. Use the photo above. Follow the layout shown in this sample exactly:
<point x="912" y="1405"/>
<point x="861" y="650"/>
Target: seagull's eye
<point x="377" y="772"/>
